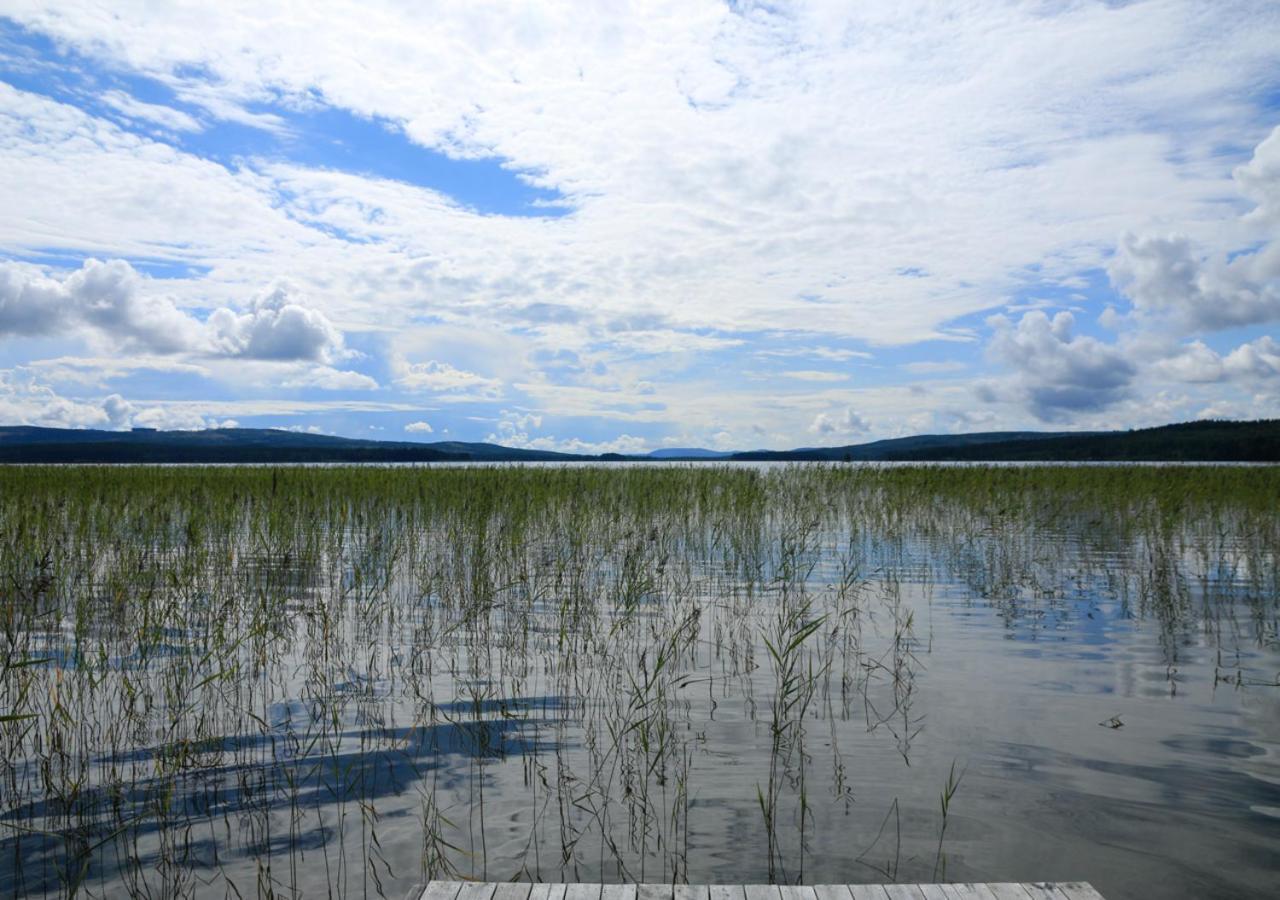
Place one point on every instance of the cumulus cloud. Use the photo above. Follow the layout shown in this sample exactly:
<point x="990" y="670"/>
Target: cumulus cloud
<point x="1256" y="359"/>
<point x="102" y="296"/>
<point x="1251" y="363"/>
<point x="513" y="428"/>
<point x="1259" y="180"/>
<point x="1168" y="275"/>
<point x="419" y="428"/>
<point x="1164" y="274"/>
<point x="1057" y="372"/>
<point x="111" y="301"/>
<point x="276" y="326"/>
<point x="1193" y="363"/>
<point x="846" y="422"/>
<point x="26" y="400"/>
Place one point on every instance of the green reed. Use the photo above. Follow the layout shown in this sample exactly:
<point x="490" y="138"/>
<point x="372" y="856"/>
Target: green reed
<point x="248" y="680"/>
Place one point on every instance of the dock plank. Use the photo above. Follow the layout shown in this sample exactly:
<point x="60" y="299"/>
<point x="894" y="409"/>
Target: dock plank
<point x="442" y="890"/>
<point x="1079" y="890"/>
<point x="512" y="890"/>
<point x="830" y="892"/>
<point x="867" y="891"/>
<point x="691" y="892"/>
<point x="1037" y="890"/>
<point x="968" y="891"/>
<point x="1008" y="890"/>
<point x="903" y="892"/>
<point x="797" y="892"/>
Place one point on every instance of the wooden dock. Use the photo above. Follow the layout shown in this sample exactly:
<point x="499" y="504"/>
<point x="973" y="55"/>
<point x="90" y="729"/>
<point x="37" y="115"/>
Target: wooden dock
<point x="1039" y="890"/>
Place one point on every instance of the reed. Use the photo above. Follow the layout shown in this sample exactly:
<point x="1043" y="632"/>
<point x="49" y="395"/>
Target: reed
<point x="348" y="680"/>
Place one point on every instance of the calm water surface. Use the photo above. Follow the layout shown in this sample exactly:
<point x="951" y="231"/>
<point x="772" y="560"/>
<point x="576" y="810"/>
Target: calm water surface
<point x="662" y="682"/>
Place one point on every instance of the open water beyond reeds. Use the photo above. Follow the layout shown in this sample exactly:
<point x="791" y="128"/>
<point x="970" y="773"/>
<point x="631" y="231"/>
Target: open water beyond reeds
<point x="342" y="682"/>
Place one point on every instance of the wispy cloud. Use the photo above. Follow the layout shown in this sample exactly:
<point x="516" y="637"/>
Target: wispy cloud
<point x="811" y="192"/>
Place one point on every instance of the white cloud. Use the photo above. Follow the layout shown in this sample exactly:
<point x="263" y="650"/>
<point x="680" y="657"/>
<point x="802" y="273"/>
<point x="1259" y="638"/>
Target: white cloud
<point x="1193" y="362"/>
<point x="737" y="177"/>
<point x="103" y="296"/>
<point x="25" y="400"/>
<point x="1059" y="373"/>
<point x="1165" y="274"/>
<point x="164" y="116"/>
<point x="112" y="302"/>
<point x="813" y="375"/>
<point x="846" y="423"/>
<point x="935" y="368"/>
<point x="419" y="428"/>
<point x="1256" y="359"/>
<point x="276" y="327"/>
<point x="730" y="171"/>
<point x="327" y="378"/>
<point x="446" y="380"/>
<point x="834" y="354"/>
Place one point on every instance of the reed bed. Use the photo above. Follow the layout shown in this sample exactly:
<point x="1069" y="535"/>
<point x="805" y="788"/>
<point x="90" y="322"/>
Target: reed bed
<point x="345" y="681"/>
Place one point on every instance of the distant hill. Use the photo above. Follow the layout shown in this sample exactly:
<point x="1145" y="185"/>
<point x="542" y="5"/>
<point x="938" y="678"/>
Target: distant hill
<point x="893" y="448"/>
<point x="1191" y="441"/>
<point x="235" y="445"/>
<point x="689" y="453"/>
<point x="1205" y="441"/>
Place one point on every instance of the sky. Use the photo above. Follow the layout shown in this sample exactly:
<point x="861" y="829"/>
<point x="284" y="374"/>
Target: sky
<point x="619" y="227"/>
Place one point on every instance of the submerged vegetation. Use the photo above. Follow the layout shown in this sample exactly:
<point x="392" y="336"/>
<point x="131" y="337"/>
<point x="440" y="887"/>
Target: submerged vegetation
<point x="346" y="681"/>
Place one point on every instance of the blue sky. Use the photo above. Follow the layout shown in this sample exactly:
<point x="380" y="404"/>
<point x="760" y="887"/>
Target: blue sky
<point x="595" y="228"/>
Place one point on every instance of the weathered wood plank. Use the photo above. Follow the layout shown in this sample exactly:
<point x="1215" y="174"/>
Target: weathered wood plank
<point x="1008" y="890"/>
<point x="1078" y="890"/>
<point x="797" y="892"/>
<point x="968" y="891"/>
<point x="1038" y="890"/>
<point x="1063" y="890"/>
<point x="442" y="890"/>
<point x="477" y="890"/>
<point x="867" y="891"/>
<point x="691" y="892"/>
<point x="546" y="891"/>
<point x="512" y="890"/>
<point x="733" y="892"/>
<point x="903" y="892"/>
<point x="830" y="892"/>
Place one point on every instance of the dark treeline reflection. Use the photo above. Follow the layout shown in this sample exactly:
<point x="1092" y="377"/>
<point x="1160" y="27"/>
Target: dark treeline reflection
<point x="345" y="681"/>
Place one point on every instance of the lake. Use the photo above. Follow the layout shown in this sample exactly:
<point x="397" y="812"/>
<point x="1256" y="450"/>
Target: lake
<point x="344" y="681"/>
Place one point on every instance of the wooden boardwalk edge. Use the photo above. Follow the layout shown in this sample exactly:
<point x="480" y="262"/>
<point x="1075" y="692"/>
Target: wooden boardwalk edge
<point x="1038" y="890"/>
